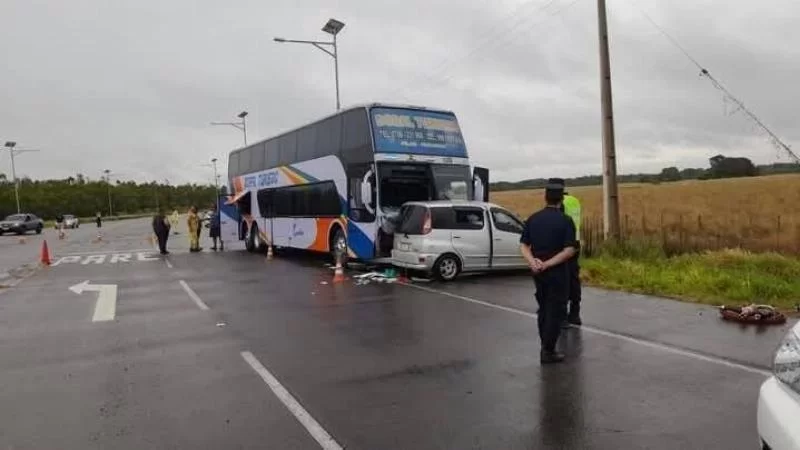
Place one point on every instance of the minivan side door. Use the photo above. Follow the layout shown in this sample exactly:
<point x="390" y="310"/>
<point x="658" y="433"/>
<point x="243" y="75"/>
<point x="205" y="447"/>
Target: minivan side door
<point x="470" y="236"/>
<point x="507" y="231"/>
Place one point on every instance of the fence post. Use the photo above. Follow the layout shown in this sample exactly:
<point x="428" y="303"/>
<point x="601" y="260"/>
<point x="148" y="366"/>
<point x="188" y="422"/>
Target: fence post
<point x="663" y="233"/>
<point x="681" y="233"/>
<point x="644" y="224"/>
<point x="778" y="235"/>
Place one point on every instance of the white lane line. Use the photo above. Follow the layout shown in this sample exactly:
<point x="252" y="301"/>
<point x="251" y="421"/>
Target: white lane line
<point x="312" y="426"/>
<point x="197" y="300"/>
<point x="611" y="334"/>
<point x="168" y="263"/>
<point x="138" y="250"/>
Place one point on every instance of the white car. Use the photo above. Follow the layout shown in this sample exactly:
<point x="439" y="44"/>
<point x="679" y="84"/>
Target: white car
<point x="71" y="221"/>
<point x="779" y="399"/>
<point x="446" y="238"/>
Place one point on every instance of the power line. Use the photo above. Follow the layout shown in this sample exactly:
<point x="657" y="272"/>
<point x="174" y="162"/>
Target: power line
<point x="727" y="95"/>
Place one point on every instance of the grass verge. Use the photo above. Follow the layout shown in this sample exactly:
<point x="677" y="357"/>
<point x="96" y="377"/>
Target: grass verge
<point x="715" y="277"/>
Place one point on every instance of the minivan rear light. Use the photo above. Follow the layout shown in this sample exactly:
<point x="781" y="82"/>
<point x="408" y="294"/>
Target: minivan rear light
<point x="426" y="225"/>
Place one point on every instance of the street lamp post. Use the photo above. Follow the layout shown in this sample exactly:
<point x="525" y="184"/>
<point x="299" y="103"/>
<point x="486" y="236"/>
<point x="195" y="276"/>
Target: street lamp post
<point x="332" y="27"/>
<point x="239" y="125"/>
<point x="13" y="151"/>
<point x="216" y="183"/>
<point x="108" y="182"/>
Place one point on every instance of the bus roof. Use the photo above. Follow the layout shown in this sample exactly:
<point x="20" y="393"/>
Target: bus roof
<point x="344" y="110"/>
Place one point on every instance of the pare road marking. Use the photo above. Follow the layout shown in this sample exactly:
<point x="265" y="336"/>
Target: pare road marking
<point x="106" y="258"/>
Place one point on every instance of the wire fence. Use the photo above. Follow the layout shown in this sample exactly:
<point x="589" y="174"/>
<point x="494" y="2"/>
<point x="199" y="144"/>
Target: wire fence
<point x="684" y="233"/>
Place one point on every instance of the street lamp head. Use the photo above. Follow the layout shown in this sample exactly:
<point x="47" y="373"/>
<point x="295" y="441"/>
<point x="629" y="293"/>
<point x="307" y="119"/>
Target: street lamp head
<point x="11" y="144"/>
<point x="213" y="160"/>
<point x="333" y="27"/>
<point x="242" y="115"/>
<point x="279" y="39"/>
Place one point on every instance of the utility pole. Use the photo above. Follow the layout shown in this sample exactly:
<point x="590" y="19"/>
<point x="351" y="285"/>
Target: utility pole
<point x="610" y="191"/>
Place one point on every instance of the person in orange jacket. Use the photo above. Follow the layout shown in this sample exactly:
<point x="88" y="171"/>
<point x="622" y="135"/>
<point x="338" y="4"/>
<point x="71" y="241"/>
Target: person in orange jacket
<point x="194" y="230"/>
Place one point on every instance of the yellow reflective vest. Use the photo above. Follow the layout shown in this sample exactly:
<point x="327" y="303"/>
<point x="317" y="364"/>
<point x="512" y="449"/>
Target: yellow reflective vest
<point x="572" y="208"/>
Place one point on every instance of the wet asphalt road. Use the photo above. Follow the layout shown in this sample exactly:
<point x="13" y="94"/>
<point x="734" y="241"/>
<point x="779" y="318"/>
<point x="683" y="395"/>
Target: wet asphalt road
<point x="379" y="366"/>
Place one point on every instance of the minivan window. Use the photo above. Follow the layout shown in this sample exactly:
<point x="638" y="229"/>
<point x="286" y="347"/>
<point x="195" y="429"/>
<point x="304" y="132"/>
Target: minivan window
<point x="412" y="219"/>
<point x="457" y="218"/>
<point x="505" y="221"/>
<point x="469" y="218"/>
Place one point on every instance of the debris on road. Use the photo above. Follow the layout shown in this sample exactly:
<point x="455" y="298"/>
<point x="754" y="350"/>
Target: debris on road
<point x="221" y="324"/>
<point x="760" y="314"/>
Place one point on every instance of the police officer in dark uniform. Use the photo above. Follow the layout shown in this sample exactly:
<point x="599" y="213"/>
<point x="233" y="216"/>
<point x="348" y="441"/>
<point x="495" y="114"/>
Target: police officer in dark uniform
<point x="547" y="243"/>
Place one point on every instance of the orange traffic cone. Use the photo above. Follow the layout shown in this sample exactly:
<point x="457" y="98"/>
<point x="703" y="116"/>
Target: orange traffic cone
<point x="338" y="272"/>
<point x="45" y="256"/>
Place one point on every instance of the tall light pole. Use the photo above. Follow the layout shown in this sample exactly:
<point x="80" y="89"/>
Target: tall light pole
<point x="332" y="27"/>
<point x="239" y="125"/>
<point x="610" y="194"/>
<point x="216" y="183"/>
<point x="13" y="151"/>
<point x="108" y="183"/>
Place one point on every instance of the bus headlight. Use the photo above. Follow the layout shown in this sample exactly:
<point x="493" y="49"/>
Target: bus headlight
<point x="787" y="359"/>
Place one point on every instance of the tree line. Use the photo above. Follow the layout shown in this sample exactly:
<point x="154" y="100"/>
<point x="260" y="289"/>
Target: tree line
<point x="84" y="198"/>
<point x="720" y="166"/>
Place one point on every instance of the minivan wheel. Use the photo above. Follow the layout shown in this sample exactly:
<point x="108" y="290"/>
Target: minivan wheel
<point x="447" y="267"/>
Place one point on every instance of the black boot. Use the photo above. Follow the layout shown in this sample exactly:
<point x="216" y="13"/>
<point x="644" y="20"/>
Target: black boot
<point x="551" y="357"/>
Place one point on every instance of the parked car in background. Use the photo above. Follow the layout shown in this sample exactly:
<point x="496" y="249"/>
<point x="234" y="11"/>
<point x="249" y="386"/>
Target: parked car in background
<point x="446" y="238"/>
<point x="21" y="224"/>
<point x="779" y="398"/>
<point x="71" y="221"/>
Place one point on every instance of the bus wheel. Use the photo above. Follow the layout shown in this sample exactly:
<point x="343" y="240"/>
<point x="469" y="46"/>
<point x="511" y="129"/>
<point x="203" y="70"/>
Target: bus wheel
<point x="338" y="244"/>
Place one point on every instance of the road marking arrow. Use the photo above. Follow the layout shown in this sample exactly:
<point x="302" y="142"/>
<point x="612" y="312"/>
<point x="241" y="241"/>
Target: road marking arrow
<point x="106" y="306"/>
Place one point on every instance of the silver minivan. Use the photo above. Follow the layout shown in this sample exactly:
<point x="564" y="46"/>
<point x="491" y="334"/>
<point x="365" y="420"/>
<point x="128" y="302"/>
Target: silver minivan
<point x="445" y="238"/>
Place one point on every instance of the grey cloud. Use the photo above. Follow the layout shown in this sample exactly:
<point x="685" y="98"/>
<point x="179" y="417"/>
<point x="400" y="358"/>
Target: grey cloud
<point x="132" y="86"/>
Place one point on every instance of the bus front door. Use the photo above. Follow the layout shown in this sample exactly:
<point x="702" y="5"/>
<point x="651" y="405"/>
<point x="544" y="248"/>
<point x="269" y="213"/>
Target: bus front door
<point x="230" y="225"/>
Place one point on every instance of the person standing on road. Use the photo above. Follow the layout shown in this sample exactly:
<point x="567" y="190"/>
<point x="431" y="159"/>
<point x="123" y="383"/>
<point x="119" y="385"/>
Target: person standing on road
<point x="571" y="206"/>
<point x="161" y="228"/>
<point x="194" y="230"/>
<point x="174" y="219"/>
<point x="98" y="219"/>
<point x="60" y="225"/>
<point x="214" y="228"/>
<point x="547" y="243"/>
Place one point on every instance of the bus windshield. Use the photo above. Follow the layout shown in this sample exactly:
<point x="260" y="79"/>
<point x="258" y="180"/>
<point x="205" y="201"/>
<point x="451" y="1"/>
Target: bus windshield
<point x="401" y="183"/>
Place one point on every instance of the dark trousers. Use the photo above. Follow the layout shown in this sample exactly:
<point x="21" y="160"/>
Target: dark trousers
<point x="162" y="241"/>
<point x="551" y="294"/>
<point x="573" y="265"/>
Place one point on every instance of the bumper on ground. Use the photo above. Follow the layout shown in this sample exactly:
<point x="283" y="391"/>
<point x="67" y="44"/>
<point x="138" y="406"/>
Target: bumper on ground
<point x="779" y="416"/>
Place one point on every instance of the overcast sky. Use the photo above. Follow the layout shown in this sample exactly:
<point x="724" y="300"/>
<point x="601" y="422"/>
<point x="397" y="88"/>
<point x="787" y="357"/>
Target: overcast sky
<point x="131" y="86"/>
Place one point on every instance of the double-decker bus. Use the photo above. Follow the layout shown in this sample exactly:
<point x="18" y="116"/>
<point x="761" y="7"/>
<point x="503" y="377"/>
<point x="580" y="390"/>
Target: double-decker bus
<point x="336" y="184"/>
